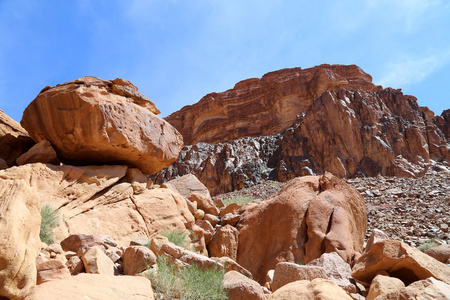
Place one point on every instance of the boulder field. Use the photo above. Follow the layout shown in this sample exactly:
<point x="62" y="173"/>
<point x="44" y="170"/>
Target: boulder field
<point x="88" y="147"/>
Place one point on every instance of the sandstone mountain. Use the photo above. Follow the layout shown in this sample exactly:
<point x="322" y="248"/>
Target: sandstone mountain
<point x="296" y="122"/>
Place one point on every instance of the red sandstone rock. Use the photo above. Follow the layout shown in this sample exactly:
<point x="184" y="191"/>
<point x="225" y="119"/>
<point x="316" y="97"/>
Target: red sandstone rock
<point x="224" y="242"/>
<point x="51" y="270"/>
<point x="42" y="152"/>
<point x="239" y="287"/>
<point x="90" y="120"/>
<point x="297" y="122"/>
<point x="265" y="106"/>
<point x="14" y="140"/>
<point x="399" y="260"/>
<point x="441" y="253"/>
<point x="137" y="259"/>
<point x="299" y="224"/>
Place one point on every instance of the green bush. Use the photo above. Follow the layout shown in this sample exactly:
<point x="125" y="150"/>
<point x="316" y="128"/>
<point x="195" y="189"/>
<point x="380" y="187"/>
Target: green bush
<point x="241" y="200"/>
<point x="177" y="236"/>
<point x="49" y="221"/>
<point x="430" y="243"/>
<point x="190" y="282"/>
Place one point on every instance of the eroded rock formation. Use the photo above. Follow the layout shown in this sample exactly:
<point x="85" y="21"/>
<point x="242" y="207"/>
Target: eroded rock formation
<point x="297" y="122"/>
<point x="93" y="121"/>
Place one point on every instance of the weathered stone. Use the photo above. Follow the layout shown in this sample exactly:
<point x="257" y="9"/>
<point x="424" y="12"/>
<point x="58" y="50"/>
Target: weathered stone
<point x="77" y="242"/>
<point x="398" y="260"/>
<point x="441" y="253"/>
<point x="14" y="140"/>
<point x="186" y="185"/>
<point x="239" y="287"/>
<point x="230" y="219"/>
<point x="90" y="120"/>
<point x="336" y="269"/>
<point x="137" y="259"/>
<point x="42" y="152"/>
<point x="429" y="288"/>
<point x="286" y="272"/>
<point x="214" y="220"/>
<point x="94" y="286"/>
<point x="231" y="265"/>
<point x="310" y="290"/>
<point x="51" y="270"/>
<point x="376" y="236"/>
<point x="186" y="257"/>
<point x="385" y="287"/>
<point x="224" y="242"/>
<point x="207" y="228"/>
<point x="96" y="262"/>
<point x="75" y="265"/>
<point x="204" y="203"/>
<point x="297" y="220"/>
<point x="19" y="237"/>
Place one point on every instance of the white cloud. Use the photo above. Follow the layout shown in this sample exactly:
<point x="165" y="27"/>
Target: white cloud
<point x="413" y="69"/>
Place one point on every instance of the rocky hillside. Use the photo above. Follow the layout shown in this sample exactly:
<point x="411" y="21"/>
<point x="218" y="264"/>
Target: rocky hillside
<point x="80" y="218"/>
<point x="296" y="122"/>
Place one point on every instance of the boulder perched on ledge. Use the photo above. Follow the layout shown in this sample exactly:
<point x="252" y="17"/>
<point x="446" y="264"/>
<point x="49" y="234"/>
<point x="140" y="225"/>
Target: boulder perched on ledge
<point x="93" y="121"/>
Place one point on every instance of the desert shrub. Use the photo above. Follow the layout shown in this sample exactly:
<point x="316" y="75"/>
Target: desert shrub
<point x="241" y="200"/>
<point x="177" y="236"/>
<point x="49" y="221"/>
<point x="189" y="282"/>
<point x="430" y="243"/>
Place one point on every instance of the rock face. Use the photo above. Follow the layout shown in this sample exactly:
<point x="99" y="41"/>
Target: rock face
<point x="304" y="122"/>
<point x="400" y="261"/>
<point x="19" y="238"/>
<point x="14" y="140"/>
<point x="92" y="199"/>
<point x="309" y="216"/>
<point x="259" y="107"/>
<point x="443" y="122"/>
<point x="90" y="120"/>
<point x="310" y="290"/>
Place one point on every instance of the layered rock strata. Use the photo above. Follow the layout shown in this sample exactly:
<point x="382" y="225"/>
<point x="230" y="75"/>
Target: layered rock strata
<point x="297" y="122"/>
<point x="93" y="121"/>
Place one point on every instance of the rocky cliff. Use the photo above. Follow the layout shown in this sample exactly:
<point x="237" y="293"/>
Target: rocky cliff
<point x="297" y="122"/>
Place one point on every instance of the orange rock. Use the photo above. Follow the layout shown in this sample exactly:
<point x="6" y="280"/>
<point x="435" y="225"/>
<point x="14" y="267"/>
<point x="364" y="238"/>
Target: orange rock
<point x="208" y="229"/>
<point x="137" y="259"/>
<point x="77" y="242"/>
<point x="441" y="253"/>
<point x="231" y="265"/>
<point x="204" y="203"/>
<point x="310" y="290"/>
<point x="51" y="270"/>
<point x="94" y="286"/>
<point x="385" y="287"/>
<point x="90" y="120"/>
<point x="398" y="260"/>
<point x="224" y="242"/>
<point x="186" y="185"/>
<point x="20" y="221"/>
<point x="239" y="287"/>
<point x="42" y="152"/>
<point x="96" y="262"/>
<point x="301" y="222"/>
<point x="286" y="272"/>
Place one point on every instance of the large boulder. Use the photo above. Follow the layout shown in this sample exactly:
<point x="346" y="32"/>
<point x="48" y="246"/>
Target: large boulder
<point x="224" y="242"/>
<point x="240" y="287"/>
<point x="398" y="260"/>
<point x="286" y="272"/>
<point x="20" y="221"/>
<point x="317" y="289"/>
<point x="94" y="286"/>
<point x="14" y="139"/>
<point x="309" y="216"/>
<point x="90" y="120"/>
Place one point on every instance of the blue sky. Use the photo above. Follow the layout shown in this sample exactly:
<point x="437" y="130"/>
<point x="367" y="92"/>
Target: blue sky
<point x="176" y="52"/>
